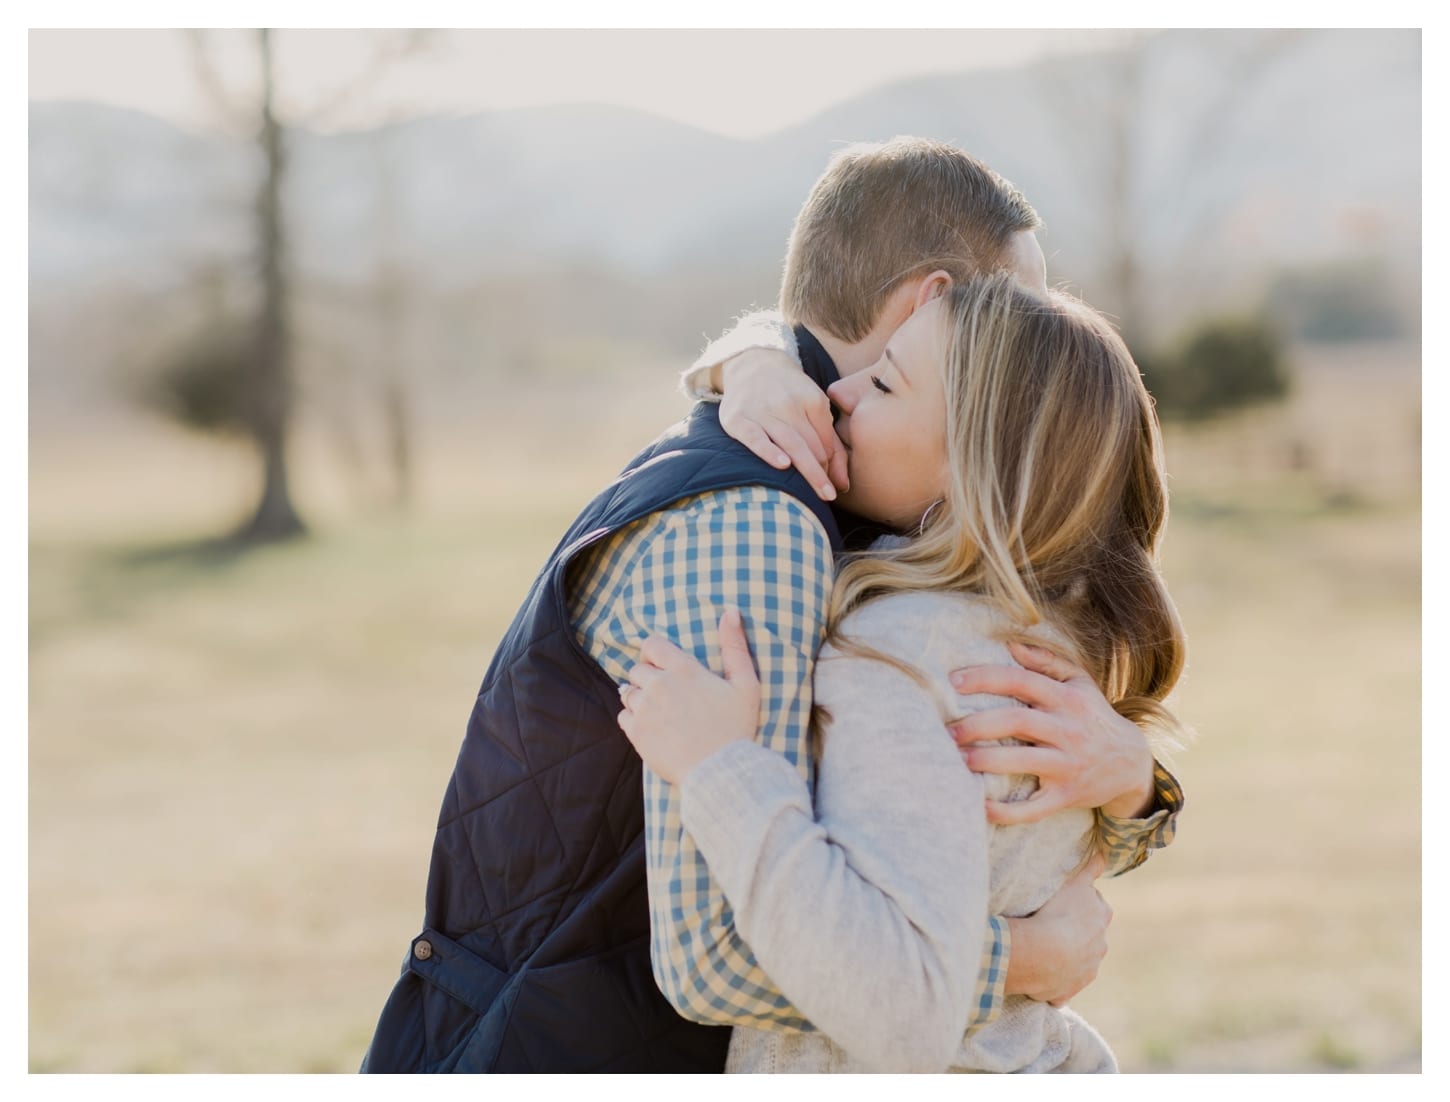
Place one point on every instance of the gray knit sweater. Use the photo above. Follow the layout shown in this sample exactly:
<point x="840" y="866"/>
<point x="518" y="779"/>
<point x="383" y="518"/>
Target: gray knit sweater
<point x="869" y="909"/>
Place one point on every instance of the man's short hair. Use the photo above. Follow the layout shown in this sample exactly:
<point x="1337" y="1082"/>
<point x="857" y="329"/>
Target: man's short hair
<point x="883" y="213"/>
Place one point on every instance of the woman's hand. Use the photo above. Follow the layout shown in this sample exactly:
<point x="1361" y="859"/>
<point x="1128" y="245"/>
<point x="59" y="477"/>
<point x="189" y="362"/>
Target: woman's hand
<point x="772" y="407"/>
<point x="677" y="713"/>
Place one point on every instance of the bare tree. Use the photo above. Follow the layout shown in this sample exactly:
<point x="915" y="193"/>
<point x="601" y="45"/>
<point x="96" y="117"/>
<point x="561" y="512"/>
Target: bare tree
<point x="271" y="387"/>
<point x="1106" y="125"/>
<point x="272" y="397"/>
<point x="391" y="309"/>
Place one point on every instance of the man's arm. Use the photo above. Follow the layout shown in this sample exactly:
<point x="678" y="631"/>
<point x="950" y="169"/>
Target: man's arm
<point x="674" y="574"/>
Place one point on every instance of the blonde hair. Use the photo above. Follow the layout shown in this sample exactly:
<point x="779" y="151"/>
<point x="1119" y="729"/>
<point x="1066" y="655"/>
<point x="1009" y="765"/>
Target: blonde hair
<point x="884" y="213"/>
<point x="1057" y="497"/>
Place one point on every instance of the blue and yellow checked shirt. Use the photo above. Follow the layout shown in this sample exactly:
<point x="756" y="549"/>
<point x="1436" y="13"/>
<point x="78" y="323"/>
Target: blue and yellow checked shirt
<point x="674" y="573"/>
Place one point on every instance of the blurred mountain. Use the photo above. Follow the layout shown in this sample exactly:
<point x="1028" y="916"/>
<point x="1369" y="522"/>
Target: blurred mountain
<point x="117" y="191"/>
<point x="1246" y="153"/>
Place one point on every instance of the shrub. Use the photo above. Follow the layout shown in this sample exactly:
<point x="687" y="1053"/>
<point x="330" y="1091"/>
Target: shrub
<point x="1340" y="302"/>
<point x="206" y="383"/>
<point x="1223" y="365"/>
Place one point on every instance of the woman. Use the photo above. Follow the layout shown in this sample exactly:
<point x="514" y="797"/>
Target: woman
<point x="1012" y="432"/>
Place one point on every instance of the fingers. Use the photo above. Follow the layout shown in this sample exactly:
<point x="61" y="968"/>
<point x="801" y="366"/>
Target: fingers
<point x="758" y="440"/>
<point x="641" y="677"/>
<point x="1033" y="689"/>
<point x="1009" y="759"/>
<point x="807" y="454"/>
<point x="819" y="415"/>
<point x="840" y="466"/>
<point x="735" y="650"/>
<point x="1034" y="809"/>
<point x="1043" y="661"/>
<point x="657" y="650"/>
<point x="1031" y="726"/>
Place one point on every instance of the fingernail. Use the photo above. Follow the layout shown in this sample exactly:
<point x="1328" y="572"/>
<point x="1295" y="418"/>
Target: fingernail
<point x="827" y="492"/>
<point x="782" y="460"/>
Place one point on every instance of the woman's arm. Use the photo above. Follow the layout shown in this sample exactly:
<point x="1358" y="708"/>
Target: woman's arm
<point x="767" y="402"/>
<point x="869" y="910"/>
<point x="704" y="380"/>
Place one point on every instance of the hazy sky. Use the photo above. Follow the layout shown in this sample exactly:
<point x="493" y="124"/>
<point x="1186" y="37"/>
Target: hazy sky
<point x="741" y="83"/>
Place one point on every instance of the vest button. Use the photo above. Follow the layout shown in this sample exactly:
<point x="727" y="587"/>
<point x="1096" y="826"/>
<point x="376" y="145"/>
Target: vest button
<point x="422" y="949"/>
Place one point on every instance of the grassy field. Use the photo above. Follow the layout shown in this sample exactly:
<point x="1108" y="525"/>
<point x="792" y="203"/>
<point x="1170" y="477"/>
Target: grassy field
<point x="236" y="762"/>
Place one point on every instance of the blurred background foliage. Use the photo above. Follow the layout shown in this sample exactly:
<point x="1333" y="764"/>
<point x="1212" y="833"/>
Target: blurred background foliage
<point x="309" y="406"/>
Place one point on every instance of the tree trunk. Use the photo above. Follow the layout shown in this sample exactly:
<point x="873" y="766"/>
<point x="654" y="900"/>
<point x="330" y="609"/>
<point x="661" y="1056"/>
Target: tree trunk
<point x="400" y="441"/>
<point x="275" y="517"/>
<point x="1122" y="261"/>
<point x="391" y="309"/>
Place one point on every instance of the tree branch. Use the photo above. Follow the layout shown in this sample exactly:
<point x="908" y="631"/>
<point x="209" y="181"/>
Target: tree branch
<point x="389" y="50"/>
<point x="204" y="69"/>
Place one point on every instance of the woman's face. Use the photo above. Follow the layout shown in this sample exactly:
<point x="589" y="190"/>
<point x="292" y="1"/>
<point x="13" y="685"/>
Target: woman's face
<point x="893" y="423"/>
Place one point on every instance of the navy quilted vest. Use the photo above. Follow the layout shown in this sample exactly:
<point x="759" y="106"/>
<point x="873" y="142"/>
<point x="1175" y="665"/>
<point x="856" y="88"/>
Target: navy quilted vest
<point x="534" y="954"/>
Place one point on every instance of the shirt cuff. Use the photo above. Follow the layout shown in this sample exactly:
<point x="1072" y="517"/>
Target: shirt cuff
<point x="992" y="977"/>
<point x="761" y="329"/>
<point x="1126" y="843"/>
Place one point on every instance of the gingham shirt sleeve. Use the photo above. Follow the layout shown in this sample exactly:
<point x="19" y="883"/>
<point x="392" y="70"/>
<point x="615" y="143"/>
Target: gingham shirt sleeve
<point x="674" y="574"/>
<point x="1126" y="843"/>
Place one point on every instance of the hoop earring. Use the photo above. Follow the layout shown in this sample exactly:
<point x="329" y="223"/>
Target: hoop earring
<point x="921" y="526"/>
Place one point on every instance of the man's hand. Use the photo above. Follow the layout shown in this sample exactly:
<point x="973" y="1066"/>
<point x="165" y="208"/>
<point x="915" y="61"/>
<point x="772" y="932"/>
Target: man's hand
<point x="775" y="410"/>
<point x="1083" y="753"/>
<point x="1057" y="951"/>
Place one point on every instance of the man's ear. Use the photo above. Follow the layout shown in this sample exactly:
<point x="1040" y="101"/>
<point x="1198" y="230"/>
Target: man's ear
<point x="933" y="286"/>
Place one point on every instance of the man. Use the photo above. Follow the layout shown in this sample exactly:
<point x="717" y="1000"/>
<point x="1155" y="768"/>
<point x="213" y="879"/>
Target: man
<point x="553" y="893"/>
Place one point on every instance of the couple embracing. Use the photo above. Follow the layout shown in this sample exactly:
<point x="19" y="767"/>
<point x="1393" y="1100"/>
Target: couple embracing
<point x="825" y="732"/>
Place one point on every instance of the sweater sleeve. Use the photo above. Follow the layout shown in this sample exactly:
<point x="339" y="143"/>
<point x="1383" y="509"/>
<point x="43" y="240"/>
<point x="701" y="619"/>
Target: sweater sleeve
<point x="760" y="329"/>
<point x="869" y="911"/>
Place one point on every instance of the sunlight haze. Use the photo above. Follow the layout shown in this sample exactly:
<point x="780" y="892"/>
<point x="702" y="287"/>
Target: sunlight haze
<point x="739" y="83"/>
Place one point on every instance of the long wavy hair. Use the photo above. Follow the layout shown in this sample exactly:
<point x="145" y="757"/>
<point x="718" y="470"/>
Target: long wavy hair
<point x="1056" y="500"/>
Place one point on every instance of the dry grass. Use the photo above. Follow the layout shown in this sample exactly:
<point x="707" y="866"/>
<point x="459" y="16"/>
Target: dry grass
<point x="235" y="763"/>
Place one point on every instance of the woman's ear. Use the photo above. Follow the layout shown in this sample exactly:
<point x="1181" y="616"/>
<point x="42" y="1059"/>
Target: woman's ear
<point x="933" y="286"/>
